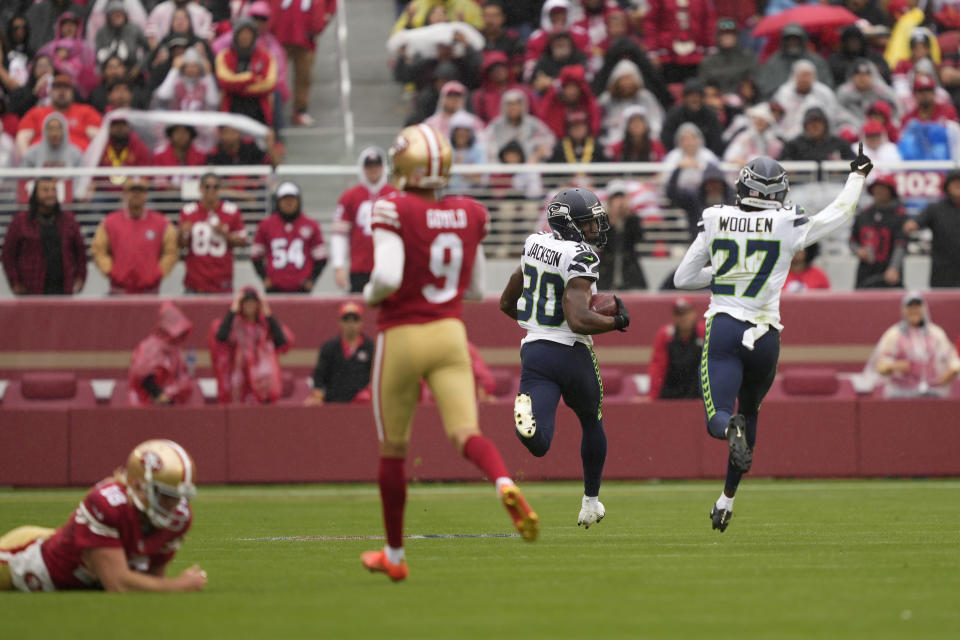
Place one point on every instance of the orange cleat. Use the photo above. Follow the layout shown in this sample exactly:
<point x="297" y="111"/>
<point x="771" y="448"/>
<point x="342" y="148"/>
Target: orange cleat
<point x="524" y="518"/>
<point x="377" y="561"/>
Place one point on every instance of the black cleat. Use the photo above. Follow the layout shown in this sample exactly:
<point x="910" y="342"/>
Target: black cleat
<point x="740" y="454"/>
<point x="720" y="518"/>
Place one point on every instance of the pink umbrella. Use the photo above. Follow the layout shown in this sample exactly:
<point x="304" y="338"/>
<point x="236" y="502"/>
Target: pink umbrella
<point x="812" y="17"/>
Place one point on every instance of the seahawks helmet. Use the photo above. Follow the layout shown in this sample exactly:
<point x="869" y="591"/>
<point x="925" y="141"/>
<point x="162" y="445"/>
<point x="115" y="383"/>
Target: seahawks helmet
<point x="572" y="208"/>
<point x="762" y="185"/>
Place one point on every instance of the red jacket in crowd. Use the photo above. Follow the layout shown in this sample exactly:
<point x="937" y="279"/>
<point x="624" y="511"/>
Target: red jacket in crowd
<point x="158" y="355"/>
<point x="299" y="23"/>
<point x="135" y="252"/>
<point x="258" y="82"/>
<point x="23" y="258"/>
<point x="486" y="100"/>
<point x="680" y="31"/>
<point x="553" y="111"/>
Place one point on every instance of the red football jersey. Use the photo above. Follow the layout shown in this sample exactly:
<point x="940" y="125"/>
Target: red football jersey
<point x="440" y="240"/>
<point x="209" y="258"/>
<point x="107" y="518"/>
<point x="289" y="250"/>
<point x="353" y="216"/>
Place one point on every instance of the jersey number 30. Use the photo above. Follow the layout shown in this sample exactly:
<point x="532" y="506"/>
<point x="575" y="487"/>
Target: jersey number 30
<point x="771" y="251"/>
<point x="548" y="280"/>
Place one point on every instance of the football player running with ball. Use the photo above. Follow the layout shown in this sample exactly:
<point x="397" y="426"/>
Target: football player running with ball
<point x="549" y="295"/>
<point x="743" y="254"/>
<point x="120" y="538"/>
<point x="427" y="259"/>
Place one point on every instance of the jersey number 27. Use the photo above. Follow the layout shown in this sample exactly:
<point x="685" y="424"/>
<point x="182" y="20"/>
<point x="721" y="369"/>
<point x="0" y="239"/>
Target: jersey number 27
<point x="771" y="251"/>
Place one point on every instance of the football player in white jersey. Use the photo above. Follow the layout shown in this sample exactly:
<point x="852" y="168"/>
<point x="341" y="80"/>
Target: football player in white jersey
<point x="743" y="254"/>
<point x="549" y="295"/>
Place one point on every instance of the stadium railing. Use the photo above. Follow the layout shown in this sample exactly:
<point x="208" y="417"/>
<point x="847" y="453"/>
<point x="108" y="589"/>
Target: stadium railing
<point x="514" y="214"/>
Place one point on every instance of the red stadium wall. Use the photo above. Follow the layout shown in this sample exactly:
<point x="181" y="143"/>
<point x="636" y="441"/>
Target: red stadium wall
<point x="804" y="437"/>
<point x="76" y="442"/>
<point x="94" y="338"/>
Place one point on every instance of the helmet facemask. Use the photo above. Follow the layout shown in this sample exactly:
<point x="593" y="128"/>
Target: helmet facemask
<point x="561" y="220"/>
<point x="150" y="504"/>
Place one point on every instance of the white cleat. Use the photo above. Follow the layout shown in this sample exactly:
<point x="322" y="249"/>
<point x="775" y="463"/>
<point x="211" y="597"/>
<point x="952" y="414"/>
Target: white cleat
<point x="523" y="415"/>
<point x="590" y="513"/>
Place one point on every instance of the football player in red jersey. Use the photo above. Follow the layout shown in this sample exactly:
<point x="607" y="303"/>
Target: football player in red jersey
<point x="209" y="230"/>
<point x="427" y="259"/>
<point x="288" y="251"/>
<point x="120" y="538"/>
<point x="352" y="234"/>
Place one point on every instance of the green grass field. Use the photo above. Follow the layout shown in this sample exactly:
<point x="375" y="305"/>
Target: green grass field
<point x="838" y="559"/>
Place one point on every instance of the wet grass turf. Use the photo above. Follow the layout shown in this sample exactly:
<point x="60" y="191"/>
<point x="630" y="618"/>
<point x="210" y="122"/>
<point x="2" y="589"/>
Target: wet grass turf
<point x="836" y="559"/>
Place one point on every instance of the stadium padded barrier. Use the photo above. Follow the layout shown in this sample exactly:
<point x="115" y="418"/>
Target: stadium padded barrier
<point x="837" y="437"/>
<point x="94" y="338"/>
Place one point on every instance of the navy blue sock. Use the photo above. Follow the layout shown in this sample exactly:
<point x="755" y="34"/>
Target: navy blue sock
<point x="593" y="452"/>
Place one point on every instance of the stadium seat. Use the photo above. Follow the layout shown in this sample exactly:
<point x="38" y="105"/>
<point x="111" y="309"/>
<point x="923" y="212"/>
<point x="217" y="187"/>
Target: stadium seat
<point x="506" y="384"/>
<point x="813" y="381"/>
<point x="3" y="389"/>
<point x="48" y="386"/>
<point x="612" y="381"/>
<point x="49" y="390"/>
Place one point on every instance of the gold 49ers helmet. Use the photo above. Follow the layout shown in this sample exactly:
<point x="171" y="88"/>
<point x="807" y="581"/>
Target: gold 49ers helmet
<point x="160" y="477"/>
<point x="420" y="157"/>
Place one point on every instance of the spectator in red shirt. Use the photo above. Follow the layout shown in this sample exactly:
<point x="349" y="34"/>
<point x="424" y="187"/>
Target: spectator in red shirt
<point x="83" y="120"/>
<point x="243" y="350"/>
<point x="555" y="17"/>
<point x="247" y="74"/>
<point x="179" y="149"/>
<point x="569" y="93"/>
<point x="928" y="109"/>
<point x="44" y="251"/>
<point x="495" y="80"/>
<point x="352" y="236"/>
<point x="135" y="247"/>
<point x="675" y="365"/>
<point x="209" y="231"/>
<point x="288" y="251"/>
<point x="125" y="148"/>
<point x="803" y="276"/>
<point x="680" y="33"/>
<point x="297" y="25"/>
<point x="158" y="372"/>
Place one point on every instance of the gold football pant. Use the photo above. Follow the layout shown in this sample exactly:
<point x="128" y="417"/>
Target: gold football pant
<point x="18" y="539"/>
<point x="435" y="352"/>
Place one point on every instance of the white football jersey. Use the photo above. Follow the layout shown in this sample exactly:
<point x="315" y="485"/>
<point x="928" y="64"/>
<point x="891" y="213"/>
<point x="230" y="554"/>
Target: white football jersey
<point x="548" y="263"/>
<point x="748" y="253"/>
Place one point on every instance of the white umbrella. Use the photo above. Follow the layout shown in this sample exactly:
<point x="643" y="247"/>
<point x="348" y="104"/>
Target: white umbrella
<point x="424" y="41"/>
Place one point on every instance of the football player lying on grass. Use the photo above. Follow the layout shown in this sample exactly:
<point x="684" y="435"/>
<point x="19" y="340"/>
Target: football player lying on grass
<point x="120" y="538"/>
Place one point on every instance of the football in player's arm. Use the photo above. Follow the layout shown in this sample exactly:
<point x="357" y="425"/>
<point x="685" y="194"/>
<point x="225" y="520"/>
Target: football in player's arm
<point x="549" y="295"/>
<point x="743" y="254"/>
<point x="121" y="536"/>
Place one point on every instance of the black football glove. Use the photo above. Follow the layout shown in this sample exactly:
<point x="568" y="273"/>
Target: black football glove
<point x="622" y="320"/>
<point x="861" y="164"/>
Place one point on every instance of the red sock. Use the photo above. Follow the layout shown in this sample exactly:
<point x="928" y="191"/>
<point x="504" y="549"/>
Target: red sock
<point x="393" y="495"/>
<point x="483" y="453"/>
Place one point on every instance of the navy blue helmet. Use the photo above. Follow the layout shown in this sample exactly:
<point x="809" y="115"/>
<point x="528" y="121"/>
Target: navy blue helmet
<point x="571" y="209"/>
<point x="762" y="184"/>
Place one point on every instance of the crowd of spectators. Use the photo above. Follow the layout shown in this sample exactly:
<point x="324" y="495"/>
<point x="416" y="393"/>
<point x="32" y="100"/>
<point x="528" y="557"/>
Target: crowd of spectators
<point x="81" y="59"/>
